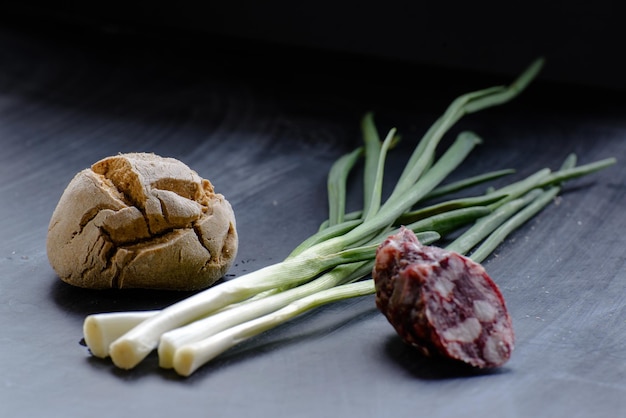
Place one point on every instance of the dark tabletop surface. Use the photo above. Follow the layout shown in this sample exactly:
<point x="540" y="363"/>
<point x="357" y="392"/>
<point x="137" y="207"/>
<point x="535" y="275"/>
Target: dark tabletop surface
<point x="264" y="123"/>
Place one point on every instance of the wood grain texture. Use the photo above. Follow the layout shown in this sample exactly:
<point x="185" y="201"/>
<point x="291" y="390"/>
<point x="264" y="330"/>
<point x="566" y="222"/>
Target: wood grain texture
<point x="264" y="125"/>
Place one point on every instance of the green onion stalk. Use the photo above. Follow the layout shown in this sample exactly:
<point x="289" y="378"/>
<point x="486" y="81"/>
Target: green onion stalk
<point x="335" y="263"/>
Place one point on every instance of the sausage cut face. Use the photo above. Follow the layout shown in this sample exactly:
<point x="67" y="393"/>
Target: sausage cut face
<point x="442" y="302"/>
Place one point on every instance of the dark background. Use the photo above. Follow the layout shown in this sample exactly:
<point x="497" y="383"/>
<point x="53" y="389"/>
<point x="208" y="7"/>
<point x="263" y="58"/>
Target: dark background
<point x="261" y="99"/>
<point x="583" y="40"/>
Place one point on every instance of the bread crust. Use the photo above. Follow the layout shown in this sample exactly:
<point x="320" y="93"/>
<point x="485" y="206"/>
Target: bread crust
<point x="139" y="220"/>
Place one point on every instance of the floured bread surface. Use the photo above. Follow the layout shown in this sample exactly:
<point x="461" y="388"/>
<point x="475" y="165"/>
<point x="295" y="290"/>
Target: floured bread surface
<point x="141" y="221"/>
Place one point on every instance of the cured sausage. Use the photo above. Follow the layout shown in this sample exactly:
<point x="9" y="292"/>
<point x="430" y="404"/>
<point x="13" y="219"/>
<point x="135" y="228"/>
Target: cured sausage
<point x="442" y="302"/>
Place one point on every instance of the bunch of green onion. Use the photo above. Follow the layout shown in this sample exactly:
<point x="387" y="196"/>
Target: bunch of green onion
<point x="335" y="262"/>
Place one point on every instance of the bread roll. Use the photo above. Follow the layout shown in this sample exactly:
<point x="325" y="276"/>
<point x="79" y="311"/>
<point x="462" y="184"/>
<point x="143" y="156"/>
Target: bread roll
<point x="141" y="221"/>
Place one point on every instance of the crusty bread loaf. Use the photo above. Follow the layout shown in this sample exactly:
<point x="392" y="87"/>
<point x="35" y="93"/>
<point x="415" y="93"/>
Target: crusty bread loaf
<point x="141" y="221"/>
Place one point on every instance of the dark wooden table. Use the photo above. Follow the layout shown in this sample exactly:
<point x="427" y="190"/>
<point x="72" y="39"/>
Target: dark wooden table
<point x="264" y="123"/>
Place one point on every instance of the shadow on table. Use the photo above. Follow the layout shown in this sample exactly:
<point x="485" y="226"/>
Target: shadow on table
<point x="87" y="301"/>
<point x="430" y="368"/>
